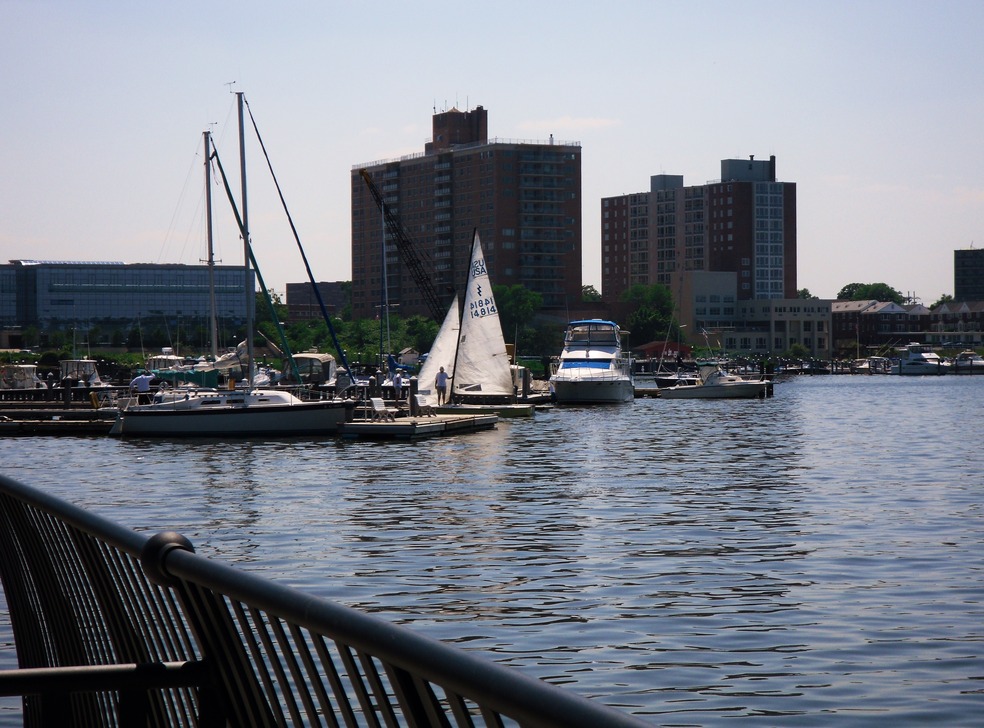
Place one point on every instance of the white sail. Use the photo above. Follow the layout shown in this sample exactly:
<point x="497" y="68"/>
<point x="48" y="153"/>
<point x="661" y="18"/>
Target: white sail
<point x="441" y="354"/>
<point x="482" y="366"/>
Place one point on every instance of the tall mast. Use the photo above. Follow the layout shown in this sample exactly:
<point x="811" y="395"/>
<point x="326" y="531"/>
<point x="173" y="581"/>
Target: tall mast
<point x="384" y="299"/>
<point x="212" y="323"/>
<point x="250" y="294"/>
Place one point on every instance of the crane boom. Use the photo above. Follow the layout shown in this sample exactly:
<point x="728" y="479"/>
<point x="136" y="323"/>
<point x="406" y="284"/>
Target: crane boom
<point x="407" y="251"/>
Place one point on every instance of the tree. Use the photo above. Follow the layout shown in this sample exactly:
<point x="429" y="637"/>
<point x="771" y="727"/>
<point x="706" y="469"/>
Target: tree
<point x="589" y="294"/>
<point x="263" y="307"/>
<point x="945" y="298"/>
<point x="517" y="305"/>
<point x="804" y="293"/>
<point x="870" y="292"/>
<point x="421" y="332"/>
<point x="652" y="311"/>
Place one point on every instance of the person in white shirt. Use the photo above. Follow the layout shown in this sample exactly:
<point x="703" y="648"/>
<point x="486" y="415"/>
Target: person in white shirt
<point x="441" y="385"/>
<point x="141" y="385"/>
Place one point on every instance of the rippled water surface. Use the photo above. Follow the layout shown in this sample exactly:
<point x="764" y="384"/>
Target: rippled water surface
<point x="811" y="558"/>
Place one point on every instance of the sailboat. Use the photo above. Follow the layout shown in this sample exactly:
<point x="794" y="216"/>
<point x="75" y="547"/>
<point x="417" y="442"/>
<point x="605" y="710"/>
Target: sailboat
<point x="481" y="375"/>
<point x="237" y="412"/>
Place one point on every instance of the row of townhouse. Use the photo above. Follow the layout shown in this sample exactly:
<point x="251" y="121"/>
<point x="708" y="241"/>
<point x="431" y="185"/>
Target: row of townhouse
<point x="869" y="327"/>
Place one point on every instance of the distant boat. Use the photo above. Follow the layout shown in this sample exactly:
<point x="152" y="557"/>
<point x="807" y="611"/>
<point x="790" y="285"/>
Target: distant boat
<point x="920" y="359"/>
<point x="715" y="383"/>
<point x="968" y="362"/>
<point x="20" y="376"/>
<point x="81" y="371"/>
<point x="234" y="413"/>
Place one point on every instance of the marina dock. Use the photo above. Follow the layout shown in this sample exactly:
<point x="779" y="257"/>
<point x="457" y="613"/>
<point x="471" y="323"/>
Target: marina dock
<point x="76" y="421"/>
<point x="413" y="428"/>
<point x="18" y="421"/>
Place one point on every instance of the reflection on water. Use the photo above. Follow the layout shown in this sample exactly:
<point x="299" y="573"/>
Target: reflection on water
<point x="783" y="560"/>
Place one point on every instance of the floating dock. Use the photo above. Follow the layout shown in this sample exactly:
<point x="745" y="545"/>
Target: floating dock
<point x="34" y="421"/>
<point x="93" y="422"/>
<point x="413" y="428"/>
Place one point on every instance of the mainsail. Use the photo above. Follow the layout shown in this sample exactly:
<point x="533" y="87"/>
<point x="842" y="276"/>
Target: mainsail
<point x="482" y="364"/>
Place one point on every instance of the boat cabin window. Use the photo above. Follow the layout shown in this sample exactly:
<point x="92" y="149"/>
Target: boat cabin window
<point x="599" y="334"/>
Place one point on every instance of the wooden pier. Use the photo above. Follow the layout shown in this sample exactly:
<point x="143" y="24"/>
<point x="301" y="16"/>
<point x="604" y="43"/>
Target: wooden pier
<point x="78" y="421"/>
<point x="414" y="428"/>
<point x="21" y="421"/>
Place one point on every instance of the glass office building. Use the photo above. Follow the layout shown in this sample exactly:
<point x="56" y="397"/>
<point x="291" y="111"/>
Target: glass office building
<point x="66" y="295"/>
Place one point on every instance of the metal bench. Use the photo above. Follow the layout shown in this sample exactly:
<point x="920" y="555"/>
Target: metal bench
<point x="113" y="627"/>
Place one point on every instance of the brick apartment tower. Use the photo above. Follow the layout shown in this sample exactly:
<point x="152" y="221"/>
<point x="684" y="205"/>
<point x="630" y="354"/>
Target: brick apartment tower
<point x="744" y="223"/>
<point x="524" y="198"/>
<point x="968" y="274"/>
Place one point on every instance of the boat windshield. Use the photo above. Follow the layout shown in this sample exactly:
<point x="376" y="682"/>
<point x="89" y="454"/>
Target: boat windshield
<point x="598" y="334"/>
<point x="586" y="364"/>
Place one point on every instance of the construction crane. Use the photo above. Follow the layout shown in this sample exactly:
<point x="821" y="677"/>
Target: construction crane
<point x="407" y="251"/>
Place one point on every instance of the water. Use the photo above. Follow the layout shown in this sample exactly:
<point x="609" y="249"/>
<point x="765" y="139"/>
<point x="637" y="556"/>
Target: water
<point x="813" y="557"/>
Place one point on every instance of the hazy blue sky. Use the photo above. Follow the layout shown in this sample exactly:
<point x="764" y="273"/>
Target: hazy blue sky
<point x="875" y="109"/>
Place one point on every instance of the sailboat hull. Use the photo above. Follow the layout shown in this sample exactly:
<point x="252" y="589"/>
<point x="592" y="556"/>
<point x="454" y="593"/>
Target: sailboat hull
<point x="306" y="418"/>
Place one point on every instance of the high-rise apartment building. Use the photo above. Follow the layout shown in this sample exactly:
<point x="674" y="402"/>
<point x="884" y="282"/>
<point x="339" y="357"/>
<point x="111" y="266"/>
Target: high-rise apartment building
<point x="968" y="274"/>
<point x="524" y="198"/>
<point x="744" y="223"/>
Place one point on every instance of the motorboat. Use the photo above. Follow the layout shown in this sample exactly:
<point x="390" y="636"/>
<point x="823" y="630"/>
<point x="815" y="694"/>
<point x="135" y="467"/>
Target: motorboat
<point x="80" y="372"/>
<point x="20" y="376"/>
<point x="314" y="368"/>
<point x="920" y="359"/>
<point x="664" y="379"/>
<point x="968" y="362"/>
<point x="716" y="383"/>
<point x="871" y="365"/>
<point x="167" y="360"/>
<point x="593" y="367"/>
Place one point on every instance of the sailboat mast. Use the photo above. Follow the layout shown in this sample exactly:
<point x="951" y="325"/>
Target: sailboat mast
<point x="384" y="294"/>
<point x="250" y="295"/>
<point x="212" y="323"/>
<point x="464" y="312"/>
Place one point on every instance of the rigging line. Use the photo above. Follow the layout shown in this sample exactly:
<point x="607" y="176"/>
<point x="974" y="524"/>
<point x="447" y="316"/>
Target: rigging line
<point x="177" y="208"/>
<point x="256" y="268"/>
<point x="297" y="239"/>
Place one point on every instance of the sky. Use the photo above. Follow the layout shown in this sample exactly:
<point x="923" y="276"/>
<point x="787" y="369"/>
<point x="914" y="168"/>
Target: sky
<point x="875" y="109"/>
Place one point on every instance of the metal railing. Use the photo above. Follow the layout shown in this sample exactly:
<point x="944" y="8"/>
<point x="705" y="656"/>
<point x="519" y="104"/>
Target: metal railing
<point x="115" y="628"/>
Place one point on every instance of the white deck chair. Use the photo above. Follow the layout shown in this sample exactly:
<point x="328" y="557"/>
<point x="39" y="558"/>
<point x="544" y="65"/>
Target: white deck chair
<point x="380" y="412"/>
<point x="423" y="408"/>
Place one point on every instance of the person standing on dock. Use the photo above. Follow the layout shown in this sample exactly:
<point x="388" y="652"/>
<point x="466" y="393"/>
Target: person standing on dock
<point x="441" y="385"/>
<point x="398" y="386"/>
<point x="141" y="385"/>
